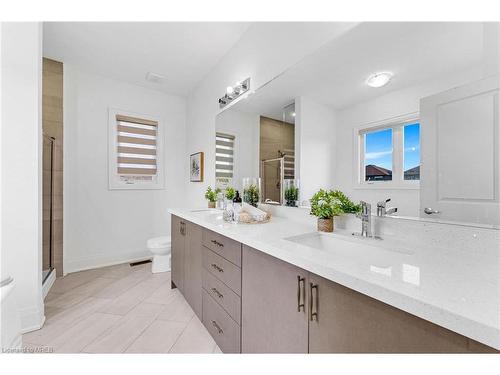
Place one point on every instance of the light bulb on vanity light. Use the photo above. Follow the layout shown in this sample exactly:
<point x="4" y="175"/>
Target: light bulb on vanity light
<point x="229" y="90"/>
<point x="379" y="79"/>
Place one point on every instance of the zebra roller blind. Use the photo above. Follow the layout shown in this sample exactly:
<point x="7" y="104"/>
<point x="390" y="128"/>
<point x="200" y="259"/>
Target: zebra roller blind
<point x="224" y="155"/>
<point x="137" y="146"/>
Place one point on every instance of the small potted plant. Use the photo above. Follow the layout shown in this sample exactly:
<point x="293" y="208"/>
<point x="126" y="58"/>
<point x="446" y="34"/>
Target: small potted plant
<point x="251" y="190"/>
<point x="291" y="193"/>
<point x="325" y="206"/>
<point x="211" y="196"/>
<point x="230" y="193"/>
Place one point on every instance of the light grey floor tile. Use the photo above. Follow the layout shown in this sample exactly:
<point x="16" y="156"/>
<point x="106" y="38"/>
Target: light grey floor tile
<point x="147" y="309"/>
<point x="194" y="339"/>
<point x="120" y="286"/>
<point x="163" y="295"/>
<point x="61" y="321"/>
<point x="120" y="336"/>
<point x="127" y="301"/>
<point x="93" y="287"/>
<point x="76" y="337"/>
<point x="177" y="310"/>
<point x="66" y="300"/>
<point x="159" y="337"/>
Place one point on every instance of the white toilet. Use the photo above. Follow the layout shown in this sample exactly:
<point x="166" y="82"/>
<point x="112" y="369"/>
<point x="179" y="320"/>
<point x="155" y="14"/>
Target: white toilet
<point x="161" y="248"/>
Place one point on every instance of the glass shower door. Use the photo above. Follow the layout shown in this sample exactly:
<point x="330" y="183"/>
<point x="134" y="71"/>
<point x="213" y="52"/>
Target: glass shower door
<point x="47" y="203"/>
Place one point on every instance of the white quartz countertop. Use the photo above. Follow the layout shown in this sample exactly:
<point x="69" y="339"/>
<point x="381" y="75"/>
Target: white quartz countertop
<point x="455" y="289"/>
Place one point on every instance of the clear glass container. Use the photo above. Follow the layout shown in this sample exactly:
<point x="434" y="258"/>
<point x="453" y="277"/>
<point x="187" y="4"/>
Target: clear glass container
<point x="291" y="192"/>
<point x="251" y="190"/>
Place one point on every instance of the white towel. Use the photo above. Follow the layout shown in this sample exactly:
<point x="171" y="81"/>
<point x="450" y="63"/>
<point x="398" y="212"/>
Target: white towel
<point x="256" y="213"/>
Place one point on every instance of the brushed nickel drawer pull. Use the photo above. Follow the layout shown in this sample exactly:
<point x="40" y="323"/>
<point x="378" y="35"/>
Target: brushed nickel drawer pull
<point x="219" y="329"/>
<point x="300" y="293"/>
<point x="313" y="315"/>
<point x="219" y="294"/>
<point x="215" y="266"/>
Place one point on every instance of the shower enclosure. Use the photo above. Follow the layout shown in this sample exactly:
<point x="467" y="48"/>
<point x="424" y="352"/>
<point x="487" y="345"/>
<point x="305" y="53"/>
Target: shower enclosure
<point x="47" y="206"/>
<point x="272" y="178"/>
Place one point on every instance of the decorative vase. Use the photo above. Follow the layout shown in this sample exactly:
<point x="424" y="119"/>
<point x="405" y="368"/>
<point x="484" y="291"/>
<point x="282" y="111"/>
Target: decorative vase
<point x="211" y="204"/>
<point x="325" y="225"/>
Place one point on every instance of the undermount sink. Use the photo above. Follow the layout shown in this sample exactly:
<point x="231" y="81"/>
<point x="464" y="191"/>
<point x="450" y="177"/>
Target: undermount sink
<point x="346" y="244"/>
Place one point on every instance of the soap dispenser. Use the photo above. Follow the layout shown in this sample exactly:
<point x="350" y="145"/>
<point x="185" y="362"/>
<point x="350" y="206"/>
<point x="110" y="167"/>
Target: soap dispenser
<point x="236" y="205"/>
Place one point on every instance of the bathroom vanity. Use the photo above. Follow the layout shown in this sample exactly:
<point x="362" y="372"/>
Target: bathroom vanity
<point x="281" y="287"/>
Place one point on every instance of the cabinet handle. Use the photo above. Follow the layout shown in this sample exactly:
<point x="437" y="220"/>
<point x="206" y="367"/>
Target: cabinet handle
<point x="219" y="294"/>
<point x="217" y="243"/>
<point x="182" y="228"/>
<point x="215" y="266"/>
<point x="300" y="292"/>
<point x="313" y="315"/>
<point x="219" y="329"/>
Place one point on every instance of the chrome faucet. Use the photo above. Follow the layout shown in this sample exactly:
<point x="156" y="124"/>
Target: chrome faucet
<point x="382" y="210"/>
<point x="366" y="219"/>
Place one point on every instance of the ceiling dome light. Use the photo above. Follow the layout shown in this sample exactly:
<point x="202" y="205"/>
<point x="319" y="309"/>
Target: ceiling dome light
<point x="379" y="79"/>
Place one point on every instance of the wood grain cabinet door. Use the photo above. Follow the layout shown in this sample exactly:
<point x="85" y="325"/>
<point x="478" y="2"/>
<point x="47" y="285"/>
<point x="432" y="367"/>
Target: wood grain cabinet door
<point x="350" y="322"/>
<point x="192" y="267"/>
<point x="272" y="291"/>
<point x="177" y="255"/>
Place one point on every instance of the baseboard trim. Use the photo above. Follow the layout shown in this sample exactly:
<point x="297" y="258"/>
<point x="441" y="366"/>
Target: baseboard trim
<point x="48" y="283"/>
<point x="89" y="263"/>
<point x="32" y="319"/>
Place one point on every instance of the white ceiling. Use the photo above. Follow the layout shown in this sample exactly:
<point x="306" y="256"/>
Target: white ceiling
<point x="335" y="74"/>
<point x="183" y="52"/>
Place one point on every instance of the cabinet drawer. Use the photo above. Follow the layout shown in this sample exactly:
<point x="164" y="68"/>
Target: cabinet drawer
<point x="223" y="329"/>
<point x="223" y="270"/>
<point x="225" y="247"/>
<point x="224" y="296"/>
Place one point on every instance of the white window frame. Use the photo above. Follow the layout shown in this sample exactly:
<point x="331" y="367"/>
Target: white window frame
<point x="397" y="125"/>
<point x="114" y="180"/>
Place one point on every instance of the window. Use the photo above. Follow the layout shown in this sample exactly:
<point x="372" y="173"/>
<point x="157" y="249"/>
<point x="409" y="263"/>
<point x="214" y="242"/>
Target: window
<point x="390" y="154"/>
<point x="378" y="155"/>
<point x="412" y="151"/>
<point x="224" y="159"/>
<point x="134" y="152"/>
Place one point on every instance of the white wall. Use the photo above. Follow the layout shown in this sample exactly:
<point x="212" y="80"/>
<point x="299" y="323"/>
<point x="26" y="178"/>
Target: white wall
<point x="314" y="136"/>
<point x="245" y="128"/>
<point x="21" y="246"/>
<point x="262" y="53"/>
<point x="104" y="226"/>
<point x="388" y="106"/>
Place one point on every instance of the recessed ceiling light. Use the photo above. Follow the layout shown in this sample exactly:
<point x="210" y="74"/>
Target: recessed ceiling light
<point x="379" y="79"/>
<point x="154" y="77"/>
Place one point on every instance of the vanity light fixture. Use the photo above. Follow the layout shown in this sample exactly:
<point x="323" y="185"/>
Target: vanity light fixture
<point x="232" y="93"/>
<point x="379" y="79"/>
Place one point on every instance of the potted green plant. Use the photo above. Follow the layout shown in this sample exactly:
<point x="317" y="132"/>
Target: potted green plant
<point x="251" y="195"/>
<point x="211" y="196"/>
<point x="328" y="204"/>
<point x="230" y="193"/>
<point x="291" y="195"/>
<point x="347" y="206"/>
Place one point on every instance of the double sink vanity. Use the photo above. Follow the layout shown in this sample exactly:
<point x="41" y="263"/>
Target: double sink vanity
<point x="281" y="287"/>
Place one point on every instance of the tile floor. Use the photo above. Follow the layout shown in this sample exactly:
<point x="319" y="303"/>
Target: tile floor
<point x="119" y="309"/>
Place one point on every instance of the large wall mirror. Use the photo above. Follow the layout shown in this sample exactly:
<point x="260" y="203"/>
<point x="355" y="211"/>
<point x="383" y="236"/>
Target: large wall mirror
<point x="400" y="111"/>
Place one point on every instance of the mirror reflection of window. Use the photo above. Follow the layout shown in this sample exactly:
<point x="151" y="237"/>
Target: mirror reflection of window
<point x="412" y="152"/>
